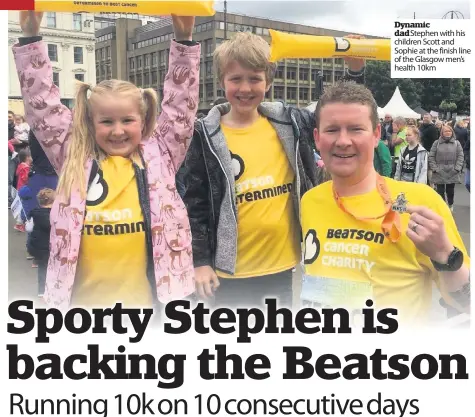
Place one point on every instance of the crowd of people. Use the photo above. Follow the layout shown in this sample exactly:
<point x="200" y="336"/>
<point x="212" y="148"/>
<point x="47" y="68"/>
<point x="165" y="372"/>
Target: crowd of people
<point x="429" y="151"/>
<point x="149" y="208"/>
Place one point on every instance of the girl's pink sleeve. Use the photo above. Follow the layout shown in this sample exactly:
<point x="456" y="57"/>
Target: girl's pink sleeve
<point x="180" y="101"/>
<point x="49" y="119"/>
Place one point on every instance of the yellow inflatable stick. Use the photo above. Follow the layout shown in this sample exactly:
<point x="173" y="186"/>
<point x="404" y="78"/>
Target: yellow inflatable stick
<point x="288" y="46"/>
<point x="147" y="7"/>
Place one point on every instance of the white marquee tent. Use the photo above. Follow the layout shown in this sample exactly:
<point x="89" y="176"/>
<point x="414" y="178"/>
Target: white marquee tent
<point x="398" y="107"/>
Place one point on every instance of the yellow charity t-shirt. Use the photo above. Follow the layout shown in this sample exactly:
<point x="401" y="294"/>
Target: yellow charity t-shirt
<point x="112" y="263"/>
<point x="348" y="261"/>
<point x="268" y="236"/>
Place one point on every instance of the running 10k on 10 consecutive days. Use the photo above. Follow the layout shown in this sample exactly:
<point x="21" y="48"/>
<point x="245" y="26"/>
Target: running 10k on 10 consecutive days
<point x="142" y="404"/>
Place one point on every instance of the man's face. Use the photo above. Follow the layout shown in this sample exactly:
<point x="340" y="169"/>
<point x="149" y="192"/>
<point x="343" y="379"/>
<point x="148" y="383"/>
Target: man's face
<point x="10" y="118"/>
<point x="346" y="140"/>
<point x="388" y="118"/>
<point x="427" y="119"/>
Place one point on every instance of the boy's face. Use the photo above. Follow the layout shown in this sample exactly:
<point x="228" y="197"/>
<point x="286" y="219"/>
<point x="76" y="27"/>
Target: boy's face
<point x="245" y="89"/>
<point x="346" y="140"/>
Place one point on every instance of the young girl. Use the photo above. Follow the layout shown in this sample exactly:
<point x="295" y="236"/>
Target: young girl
<point x="413" y="163"/>
<point x="22" y="129"/>
<point x="119" y="230"/>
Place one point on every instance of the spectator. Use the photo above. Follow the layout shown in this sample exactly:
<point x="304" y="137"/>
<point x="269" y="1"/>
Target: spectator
<point x="42" y="173"/>
<point x="22" y="129"/>
<point x="399" y="135"/>
<point x="38" y="243"/>
<point x="466" y="153"/>
<point x="446" y="162"/>
<point x="461" y="132"/>
<point x="429" y="133"/>
<point x="412" y="165"/>
<point x="387" y="131"/>
<point x="23" y="170"/>
<point x="382" y="160"/>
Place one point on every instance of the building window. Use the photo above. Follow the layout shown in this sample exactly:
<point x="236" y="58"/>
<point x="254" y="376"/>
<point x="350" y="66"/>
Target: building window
<point x="278" y="93"/>
<point x="303" y="75"/>
<point x="154" y="78"/>
<point x="162" y="76"/>
<point x="146" y="79"/>
<point x="154" y="59"/>
<point x="79" y="77"/>
<point x="221" y="25"/>
<point x="291" y="93"/>
<point x="209" y="68"/>
<point x="139" y="80"/>
<point x="209" y="92"/>
<point x="291" y="73"/>
<point x="51" y="19"/>
<point x="108" y="51"/>
<point x="139" y="62"/>
<point x="303" y="94"/>
<point x="147" y="61"/>
<point x="132" y="63"/>
<point x="327" y="76"/>
<point x="163" y="57"/>
<point x="220" y="92"/>
<point x="279" y="73"/>
<point x="132" y="79"/>
<point x="78" y="58"/>
<point x="53" y="52"/>
<point x="56" y="79"/>
<point x="77" y="21"/>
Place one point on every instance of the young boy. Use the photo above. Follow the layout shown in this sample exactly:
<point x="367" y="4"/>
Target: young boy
<point x="38" y="243"/>
<point x="248" y="166"/>
<point x="413" y="163"/>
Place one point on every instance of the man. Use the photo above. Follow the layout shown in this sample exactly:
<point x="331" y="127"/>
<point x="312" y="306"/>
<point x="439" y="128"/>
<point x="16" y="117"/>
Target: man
<point x="429" y="133"/>
<point x="369" y="244"/>
<point x="387" y="130"/>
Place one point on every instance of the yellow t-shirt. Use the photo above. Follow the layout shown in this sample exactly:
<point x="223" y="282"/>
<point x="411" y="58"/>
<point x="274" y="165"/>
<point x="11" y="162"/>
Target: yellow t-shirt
<point x="348" y="260"/>
<point x="268" y="238"/>
<point x="113" y="260"/>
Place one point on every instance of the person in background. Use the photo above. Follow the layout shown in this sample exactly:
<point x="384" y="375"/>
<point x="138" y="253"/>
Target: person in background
<point x="446" y="163"/>
<point x="387" y="132"/>
<point x="438" y="124"/>
<point x="38" y="242"/>
<point x="412" y="165"/>
<point x="411" y="122"/>
<point x="12" y="156"/>
<point x="466" y="153"/>
<point x="22" y="173"/>
<point x="461" y="132"/>
<point x="398" y="140"/>
<point x="382" y="160"/>
<point x="42" y="173"/>
<point x="22" y="129"/>
<point x="428" y="132"/>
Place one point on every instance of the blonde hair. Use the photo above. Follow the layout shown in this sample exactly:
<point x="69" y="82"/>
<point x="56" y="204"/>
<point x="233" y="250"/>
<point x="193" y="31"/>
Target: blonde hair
<point x="460" y="123"/>
<point x="249" y="50"/>
<point x="82" y="144"/>
<point x="414" y="130"/>
<point x="46" y="197"/>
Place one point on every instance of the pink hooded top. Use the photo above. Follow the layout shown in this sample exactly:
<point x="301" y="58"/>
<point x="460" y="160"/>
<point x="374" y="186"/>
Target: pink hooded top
<point x="163" y="152"/>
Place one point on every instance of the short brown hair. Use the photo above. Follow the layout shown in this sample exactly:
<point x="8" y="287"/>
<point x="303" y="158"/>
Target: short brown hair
<point x="46" y="197"/>
<point x="348" y="92"/>
<point x="249" y="50"/>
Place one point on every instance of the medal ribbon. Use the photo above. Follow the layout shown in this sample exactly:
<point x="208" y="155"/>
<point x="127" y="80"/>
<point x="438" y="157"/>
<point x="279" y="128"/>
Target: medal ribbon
<point x="391" y="224"/>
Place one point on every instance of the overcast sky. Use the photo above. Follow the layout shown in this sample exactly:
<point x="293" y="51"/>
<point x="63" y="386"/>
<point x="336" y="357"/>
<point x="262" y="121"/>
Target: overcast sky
<point x="370" y="17"/>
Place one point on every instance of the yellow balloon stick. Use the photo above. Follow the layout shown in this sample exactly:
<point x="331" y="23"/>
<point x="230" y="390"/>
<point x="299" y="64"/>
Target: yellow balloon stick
<point x="288" y="46"/>
<point x="147" y="7"/>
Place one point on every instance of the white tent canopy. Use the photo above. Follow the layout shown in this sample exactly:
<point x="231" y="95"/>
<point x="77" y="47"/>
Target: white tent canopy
<point x="397" y="107"/>
<point x="313" y="105"/>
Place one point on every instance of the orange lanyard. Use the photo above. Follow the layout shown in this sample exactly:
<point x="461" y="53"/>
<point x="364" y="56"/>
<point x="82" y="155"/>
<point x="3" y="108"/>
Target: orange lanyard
<point x="391" y="224"/>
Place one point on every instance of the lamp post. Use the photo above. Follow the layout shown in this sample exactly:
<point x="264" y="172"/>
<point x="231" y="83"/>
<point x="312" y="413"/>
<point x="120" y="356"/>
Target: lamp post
<point x="452" y="14"/>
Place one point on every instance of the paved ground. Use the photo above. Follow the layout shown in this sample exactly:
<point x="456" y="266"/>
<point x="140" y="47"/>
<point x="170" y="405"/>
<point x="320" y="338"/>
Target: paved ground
<point x="22" y="277"/>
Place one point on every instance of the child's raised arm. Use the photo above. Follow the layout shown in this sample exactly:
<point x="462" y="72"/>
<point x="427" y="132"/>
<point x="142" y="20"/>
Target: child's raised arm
<point x="49" y="119"/>
<point x="180" y="93"/>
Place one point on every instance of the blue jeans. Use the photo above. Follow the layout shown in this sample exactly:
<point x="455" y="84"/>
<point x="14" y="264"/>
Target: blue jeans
<point x="467" y="180"/>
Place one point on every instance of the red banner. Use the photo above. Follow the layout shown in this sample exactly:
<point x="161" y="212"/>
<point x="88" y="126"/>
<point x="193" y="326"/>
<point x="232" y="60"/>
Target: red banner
<point x="17" y="5"/>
